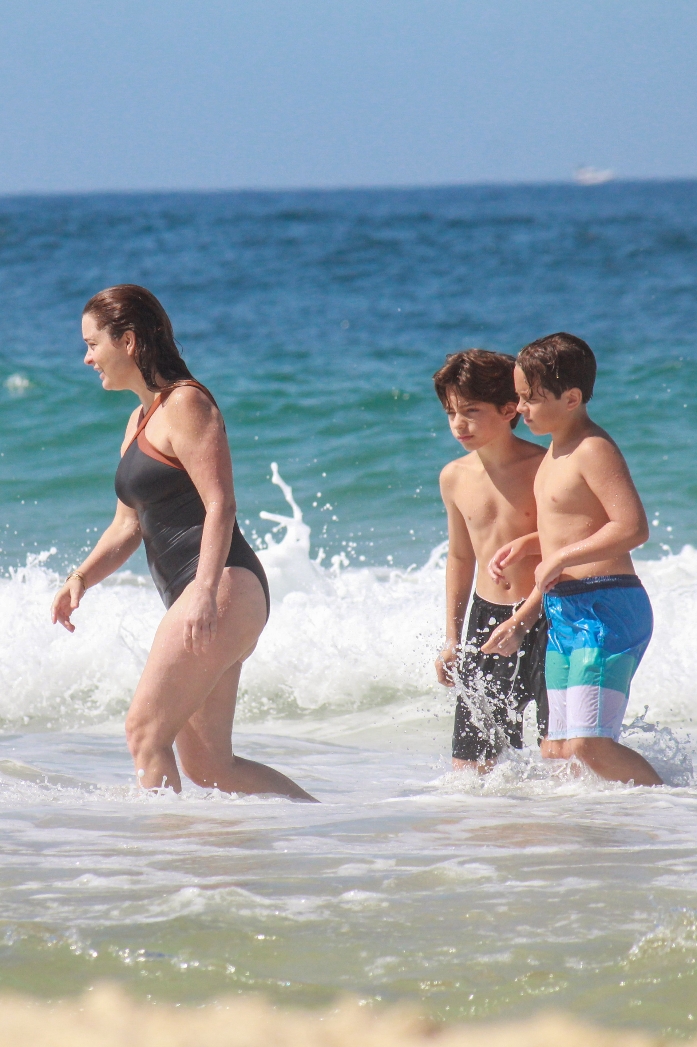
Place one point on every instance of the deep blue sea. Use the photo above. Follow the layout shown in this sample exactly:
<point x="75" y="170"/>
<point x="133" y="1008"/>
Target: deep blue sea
<point x="317" y="320"/>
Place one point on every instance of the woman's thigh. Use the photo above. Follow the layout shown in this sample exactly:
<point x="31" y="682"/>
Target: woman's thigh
<point x="176" y="682"/>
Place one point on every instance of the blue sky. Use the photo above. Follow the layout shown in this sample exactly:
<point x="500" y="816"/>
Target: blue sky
<point x="198" y="94"/>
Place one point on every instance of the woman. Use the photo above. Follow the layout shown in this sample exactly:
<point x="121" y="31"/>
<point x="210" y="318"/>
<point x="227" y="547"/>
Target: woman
<point x="175" y="491"/>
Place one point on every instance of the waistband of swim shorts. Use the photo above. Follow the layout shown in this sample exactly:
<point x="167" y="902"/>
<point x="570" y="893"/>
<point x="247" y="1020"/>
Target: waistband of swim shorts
<point x="481" y="602"/>
<point x="576" y="586"/>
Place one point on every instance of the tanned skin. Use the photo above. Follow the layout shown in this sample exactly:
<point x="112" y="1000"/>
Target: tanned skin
<point x="589" y="518"/>
<point x="488" y="496"/>
<point x="188" y="689"/>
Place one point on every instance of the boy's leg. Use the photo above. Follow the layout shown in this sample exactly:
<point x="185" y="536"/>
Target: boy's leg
<point x="477" y="736"/>
<point x="531" y="684"/>
<point x="613" y="761"/>
<point x="553" y="744"/>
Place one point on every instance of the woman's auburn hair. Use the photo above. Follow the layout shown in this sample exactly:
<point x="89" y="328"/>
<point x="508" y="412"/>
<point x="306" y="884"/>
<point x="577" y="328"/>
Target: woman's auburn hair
<point x="128" y="307"/>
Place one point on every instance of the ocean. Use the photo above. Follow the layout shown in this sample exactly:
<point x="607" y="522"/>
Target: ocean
<point x="317" y="319"/>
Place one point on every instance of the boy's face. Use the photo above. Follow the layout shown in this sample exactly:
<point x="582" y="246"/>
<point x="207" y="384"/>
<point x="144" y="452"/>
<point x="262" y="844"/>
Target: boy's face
<point x="474" y="423"/>
<point x="541" y="410"/>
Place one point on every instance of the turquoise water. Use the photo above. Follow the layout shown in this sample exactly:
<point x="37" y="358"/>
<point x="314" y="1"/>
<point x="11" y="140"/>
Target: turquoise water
<point x="317" y="319"/>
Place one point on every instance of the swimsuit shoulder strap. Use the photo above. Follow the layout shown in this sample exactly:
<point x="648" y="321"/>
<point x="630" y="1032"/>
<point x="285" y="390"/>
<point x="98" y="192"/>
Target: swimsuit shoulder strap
<point x="145" y="418"/>
<point x="160" y="399"/>
<point x="187" y="381"/>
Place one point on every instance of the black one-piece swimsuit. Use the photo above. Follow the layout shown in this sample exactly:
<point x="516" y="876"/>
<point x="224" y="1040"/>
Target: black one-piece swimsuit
<point x="171" y="514"/>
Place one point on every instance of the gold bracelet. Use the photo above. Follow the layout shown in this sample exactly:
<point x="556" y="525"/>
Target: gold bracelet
<point x="77" y="574"/>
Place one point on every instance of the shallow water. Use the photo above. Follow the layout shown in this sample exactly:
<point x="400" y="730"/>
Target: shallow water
<point x="477" y="897"/>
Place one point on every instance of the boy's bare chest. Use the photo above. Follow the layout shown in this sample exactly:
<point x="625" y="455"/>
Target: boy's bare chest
<point x="560" y="487"/>
<point x="484" y="505"/>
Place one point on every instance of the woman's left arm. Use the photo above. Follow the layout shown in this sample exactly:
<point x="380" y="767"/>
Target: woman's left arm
<point x="198" y="439"/>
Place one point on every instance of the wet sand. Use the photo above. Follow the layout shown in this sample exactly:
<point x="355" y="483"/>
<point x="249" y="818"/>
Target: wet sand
<point x="107" y="1017"/>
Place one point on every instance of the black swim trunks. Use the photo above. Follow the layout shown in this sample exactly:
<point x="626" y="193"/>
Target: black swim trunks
<point x="495" y="689"/>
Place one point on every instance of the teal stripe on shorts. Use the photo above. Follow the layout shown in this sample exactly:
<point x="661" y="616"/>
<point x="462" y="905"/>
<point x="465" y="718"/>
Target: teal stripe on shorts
<point x="599" y="629"/>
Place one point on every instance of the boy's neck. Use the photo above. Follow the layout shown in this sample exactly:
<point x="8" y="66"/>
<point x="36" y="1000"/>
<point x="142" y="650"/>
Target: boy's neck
<point x="500" y="450"/>
<point x="572" y="428"/>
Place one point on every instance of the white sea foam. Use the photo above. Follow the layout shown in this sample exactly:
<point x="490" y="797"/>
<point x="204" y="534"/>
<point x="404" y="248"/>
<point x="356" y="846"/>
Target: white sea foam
<point x="341" y="640"/>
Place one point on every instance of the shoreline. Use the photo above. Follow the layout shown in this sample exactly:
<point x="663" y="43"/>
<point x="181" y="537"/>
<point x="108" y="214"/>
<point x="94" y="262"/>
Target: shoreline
<point x="106" y="1016"/>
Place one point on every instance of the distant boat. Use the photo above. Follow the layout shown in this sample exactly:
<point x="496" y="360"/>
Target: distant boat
<point x="592" y="175"/>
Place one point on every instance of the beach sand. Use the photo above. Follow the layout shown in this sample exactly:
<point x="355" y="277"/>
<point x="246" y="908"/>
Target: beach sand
<point x="107" y="1017"/>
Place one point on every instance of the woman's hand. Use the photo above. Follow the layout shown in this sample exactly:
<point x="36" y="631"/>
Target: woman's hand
<point x="66" y="601"/>
<point x="512" y="553"/>
<point x="201" y="622"/>
<point x="446" y="664"/>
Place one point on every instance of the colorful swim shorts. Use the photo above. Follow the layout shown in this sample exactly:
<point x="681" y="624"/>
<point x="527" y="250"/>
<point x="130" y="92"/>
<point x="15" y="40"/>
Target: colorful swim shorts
<point x="599" y="629"/>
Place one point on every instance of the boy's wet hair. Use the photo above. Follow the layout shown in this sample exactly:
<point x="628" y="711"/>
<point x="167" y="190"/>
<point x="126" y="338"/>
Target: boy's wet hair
<point x="477" y="374"/>
<point x="559" y="362"/>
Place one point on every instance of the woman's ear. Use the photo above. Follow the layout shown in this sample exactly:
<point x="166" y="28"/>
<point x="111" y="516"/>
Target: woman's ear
<point x="129" y="343"/>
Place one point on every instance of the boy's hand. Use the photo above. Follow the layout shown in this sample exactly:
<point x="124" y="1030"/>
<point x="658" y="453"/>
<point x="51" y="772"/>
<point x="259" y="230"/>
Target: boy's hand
<point x="509" y="554"/>
<point x="446" y="664"/>
<point x="547" y="573"/>
<point x="506" y="637"/>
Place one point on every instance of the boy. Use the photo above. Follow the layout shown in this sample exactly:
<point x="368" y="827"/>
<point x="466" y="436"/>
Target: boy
<point x="488" y="495"/>
<point x="589" y="519"/>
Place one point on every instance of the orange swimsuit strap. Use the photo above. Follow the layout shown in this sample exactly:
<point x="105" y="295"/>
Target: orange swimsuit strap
<point x="157" y="402"/>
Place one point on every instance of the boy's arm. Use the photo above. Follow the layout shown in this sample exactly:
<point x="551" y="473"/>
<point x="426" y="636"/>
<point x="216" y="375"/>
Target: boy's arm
<point x="459" y="576"/>
<point x="605" y="471"/>
<point x="509" y="635"/>
<point x="513" y="552"/>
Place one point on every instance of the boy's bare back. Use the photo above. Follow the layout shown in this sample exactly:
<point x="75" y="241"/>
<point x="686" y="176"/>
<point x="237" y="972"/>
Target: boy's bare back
<point x="490" y="503"/>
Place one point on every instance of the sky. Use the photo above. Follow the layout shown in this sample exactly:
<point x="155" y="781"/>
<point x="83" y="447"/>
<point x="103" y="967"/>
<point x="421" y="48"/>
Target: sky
<point x="221" y="94"/>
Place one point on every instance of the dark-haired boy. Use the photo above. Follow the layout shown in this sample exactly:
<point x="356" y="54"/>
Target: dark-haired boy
<point x="589" y="519"/>
<point x="488" y="495"/>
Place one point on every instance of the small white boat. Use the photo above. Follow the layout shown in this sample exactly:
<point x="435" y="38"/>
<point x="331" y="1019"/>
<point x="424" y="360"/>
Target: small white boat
<point x="593" y="175"/>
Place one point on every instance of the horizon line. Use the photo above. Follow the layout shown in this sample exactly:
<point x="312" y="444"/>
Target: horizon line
<point x="339" y="188"/>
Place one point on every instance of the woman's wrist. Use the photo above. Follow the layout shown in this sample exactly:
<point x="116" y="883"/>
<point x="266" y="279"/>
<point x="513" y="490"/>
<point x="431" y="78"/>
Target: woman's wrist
<point x="80" y="575"/>
<point x="206" y="587"/>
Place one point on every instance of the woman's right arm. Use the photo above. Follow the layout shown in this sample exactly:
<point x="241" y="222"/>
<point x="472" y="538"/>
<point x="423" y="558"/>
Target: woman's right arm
<point x="119" y="541"/>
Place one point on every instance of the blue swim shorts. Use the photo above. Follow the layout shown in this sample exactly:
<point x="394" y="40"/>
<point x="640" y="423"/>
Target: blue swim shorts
<point x="599" y="629"/>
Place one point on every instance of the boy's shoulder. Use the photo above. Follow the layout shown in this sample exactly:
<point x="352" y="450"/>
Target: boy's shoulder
<point x="595" y="443"/>
<point x="528" y="451"/>
<point x="459" y="469"/>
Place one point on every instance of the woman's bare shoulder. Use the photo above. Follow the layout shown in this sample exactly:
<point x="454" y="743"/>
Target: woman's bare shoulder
<point x="188" y="397"/>
<point x="189" y="407"/>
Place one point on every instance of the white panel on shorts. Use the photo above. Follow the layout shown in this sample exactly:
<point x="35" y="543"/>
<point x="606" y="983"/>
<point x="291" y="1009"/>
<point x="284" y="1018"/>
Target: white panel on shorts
<point x="594" y="712"/>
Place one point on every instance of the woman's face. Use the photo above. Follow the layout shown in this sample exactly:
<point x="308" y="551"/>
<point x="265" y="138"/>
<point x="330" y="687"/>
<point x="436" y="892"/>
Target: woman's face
<point x="113" y="361"/>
